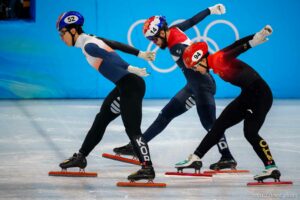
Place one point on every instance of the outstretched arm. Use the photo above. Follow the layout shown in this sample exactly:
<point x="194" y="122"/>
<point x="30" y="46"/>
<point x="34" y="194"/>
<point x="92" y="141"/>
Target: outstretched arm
<point x="242" y="45"/>
<point x="131" y="50"/>
<point x="120" y="46"/>
<point x="217" y="9"/>
<point x="237" y="49"/>
<point x="150" y="56"/>
<point x="238" y="43"/>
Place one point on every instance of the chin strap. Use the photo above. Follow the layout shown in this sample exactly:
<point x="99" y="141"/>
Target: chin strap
<point x="73" y="38"/>
<point x="164" y="39"/>
<point x="206" y="67"/>
<point x="201" y="65"/>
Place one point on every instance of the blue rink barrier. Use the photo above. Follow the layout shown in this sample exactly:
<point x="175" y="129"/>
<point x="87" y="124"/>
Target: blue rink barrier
<point x="35" y="63"/>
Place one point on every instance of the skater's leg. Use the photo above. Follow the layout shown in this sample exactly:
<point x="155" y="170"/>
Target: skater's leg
<point x="173" y="109"/>
<point x="231" y="115"/>
<point x="77" y="160"/>
<point x="179" y="104"/>
<point x="132" y="90"/>
<point x="261" y="102"/>
<point x="260" y="146"/>
<point x="109" y="111"/>
<point x="206" y="109"/>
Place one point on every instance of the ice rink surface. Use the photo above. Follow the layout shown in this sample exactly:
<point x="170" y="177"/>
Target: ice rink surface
<point x="36" y="135"/>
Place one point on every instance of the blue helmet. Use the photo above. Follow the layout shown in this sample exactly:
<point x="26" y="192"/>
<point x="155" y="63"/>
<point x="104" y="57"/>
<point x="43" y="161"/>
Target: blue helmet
<point x="69" y="18"/>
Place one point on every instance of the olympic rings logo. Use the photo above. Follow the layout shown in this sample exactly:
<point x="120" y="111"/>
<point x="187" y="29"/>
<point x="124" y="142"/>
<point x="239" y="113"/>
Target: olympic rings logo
<point x="198" y="37"/>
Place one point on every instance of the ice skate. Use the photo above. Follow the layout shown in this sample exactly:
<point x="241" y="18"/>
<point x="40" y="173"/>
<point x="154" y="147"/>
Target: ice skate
<point x="77" y="160"/>
<point x="120" y="152"/>
<point x="193" y="162"/>
<point x="146" y="173"/>
<point x="270" y="172"/>
<point x="126" y="150"/>
<point x="133" y="160"/>
<point x="224" y="163"/>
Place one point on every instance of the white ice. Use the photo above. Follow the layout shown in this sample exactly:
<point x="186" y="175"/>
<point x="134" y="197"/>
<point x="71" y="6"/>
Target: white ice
<point x="36" y="135"/>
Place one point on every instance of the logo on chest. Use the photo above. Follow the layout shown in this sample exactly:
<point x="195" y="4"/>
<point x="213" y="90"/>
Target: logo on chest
<point x="178" y="49"/>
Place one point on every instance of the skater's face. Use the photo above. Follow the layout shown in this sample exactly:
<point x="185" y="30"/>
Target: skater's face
<point x="66" y="36"/>
<point x="160" y="40"/>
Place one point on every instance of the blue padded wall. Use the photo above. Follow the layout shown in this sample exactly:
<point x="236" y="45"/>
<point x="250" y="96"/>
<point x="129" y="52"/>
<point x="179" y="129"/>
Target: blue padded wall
<point x="35" y="63"/>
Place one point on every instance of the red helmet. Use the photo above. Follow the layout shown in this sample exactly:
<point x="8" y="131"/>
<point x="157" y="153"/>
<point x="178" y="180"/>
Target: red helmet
<point x="194" y="53"/>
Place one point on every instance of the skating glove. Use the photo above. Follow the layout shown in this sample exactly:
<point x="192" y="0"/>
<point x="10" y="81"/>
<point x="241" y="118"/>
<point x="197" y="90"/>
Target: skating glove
<point x="138" y="71"/>
<point x="217" y="9"/>
<point x="261" y="36"/>
<point x="147" y="55"/>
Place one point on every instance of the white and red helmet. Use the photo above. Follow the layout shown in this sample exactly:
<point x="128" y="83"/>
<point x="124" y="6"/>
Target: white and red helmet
<point x="194" y="53"/>
<point x="153" y="26"/>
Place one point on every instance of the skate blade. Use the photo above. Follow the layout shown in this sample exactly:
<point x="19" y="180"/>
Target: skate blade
<point x="120" y="158"/>
<point x="230" y="171"/>
<point x="187" y="174"/>
<point x="73" y="174"/>
<point x="270" y="183"/>
<point x="136" y="184"/>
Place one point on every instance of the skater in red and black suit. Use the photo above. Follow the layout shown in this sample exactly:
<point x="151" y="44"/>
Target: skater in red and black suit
<point x="251" y="106"/>
<point x="124" y="100"/>
<point x="199" y="89"/>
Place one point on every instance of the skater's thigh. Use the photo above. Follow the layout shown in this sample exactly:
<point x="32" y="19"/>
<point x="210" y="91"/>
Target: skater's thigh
<point x="111" y="104"/>
<point x="205" y="98"/>
<point x="179" y="104"/>
<point x="231" y="115"/>
<point x="184" y="94"/>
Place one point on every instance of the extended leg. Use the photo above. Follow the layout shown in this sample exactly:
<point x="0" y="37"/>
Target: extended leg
<point x="180" y="103"/>
<point x="109" y="111"/>
<point x="231" y="115"/>
<point x="103" y="118"/>
<point x="206" y="109"/>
